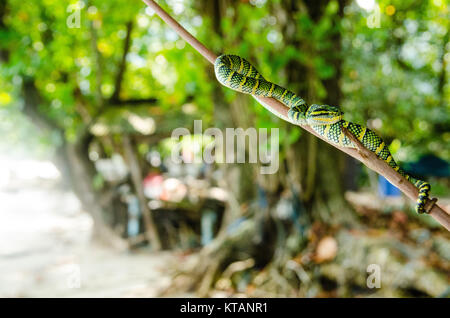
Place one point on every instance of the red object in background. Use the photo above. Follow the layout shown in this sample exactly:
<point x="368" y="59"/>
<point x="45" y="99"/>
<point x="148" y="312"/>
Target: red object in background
<point x="157" y="187"/>
<point x="153" y="185"/>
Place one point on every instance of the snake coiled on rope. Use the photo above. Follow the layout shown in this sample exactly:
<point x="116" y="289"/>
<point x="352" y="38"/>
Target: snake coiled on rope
<point x="238" y="74"/>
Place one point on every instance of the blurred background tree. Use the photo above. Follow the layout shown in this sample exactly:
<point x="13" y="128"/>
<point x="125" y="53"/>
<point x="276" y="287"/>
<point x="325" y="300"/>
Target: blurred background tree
<point x="121" y="81"/>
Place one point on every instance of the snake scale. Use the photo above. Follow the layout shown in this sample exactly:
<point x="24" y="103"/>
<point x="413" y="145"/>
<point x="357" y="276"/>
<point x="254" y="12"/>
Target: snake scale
<point x="238" y="74"/>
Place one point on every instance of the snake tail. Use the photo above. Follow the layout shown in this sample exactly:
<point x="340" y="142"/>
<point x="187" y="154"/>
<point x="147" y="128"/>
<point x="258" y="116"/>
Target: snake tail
<point x="335" y="134"/>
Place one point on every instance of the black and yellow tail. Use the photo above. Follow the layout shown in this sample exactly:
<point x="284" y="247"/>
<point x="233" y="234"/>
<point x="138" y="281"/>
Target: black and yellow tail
<point x="335" y="134"/>
<point x="382" y="152"/>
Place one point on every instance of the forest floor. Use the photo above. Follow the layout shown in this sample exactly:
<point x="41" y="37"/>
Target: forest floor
<point x="46" y="251"/>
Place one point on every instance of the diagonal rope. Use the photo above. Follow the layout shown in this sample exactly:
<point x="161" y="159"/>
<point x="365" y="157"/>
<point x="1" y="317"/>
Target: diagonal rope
<point x="362" y="154"/>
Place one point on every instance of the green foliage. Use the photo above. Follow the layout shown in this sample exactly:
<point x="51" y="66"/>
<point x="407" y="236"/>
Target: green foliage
<point x="390" y="74"/>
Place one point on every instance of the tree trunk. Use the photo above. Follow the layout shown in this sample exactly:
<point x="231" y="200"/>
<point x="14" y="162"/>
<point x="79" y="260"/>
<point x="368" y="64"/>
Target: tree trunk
<point x="72" y="160"/>
<point x="136" y="177"/>
<point x="321" y="178"/>
<point x="82" y="171"/>
<point x="237" y="177"/>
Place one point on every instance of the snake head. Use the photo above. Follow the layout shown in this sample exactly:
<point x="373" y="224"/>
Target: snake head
<point x="323" y="115"/>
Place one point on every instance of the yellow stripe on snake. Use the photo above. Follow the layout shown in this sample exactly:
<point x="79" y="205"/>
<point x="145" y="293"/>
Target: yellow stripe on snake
<point x="238" y="74"/>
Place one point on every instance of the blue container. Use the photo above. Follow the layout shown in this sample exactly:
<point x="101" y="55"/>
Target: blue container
<point x="386" y="189"/>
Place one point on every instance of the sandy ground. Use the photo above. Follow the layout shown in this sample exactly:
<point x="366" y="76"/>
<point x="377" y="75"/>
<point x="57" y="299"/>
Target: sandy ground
<point x="45" y="251"/>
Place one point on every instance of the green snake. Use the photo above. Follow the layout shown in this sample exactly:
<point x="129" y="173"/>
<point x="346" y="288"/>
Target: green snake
<point x="238" y="74"/>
